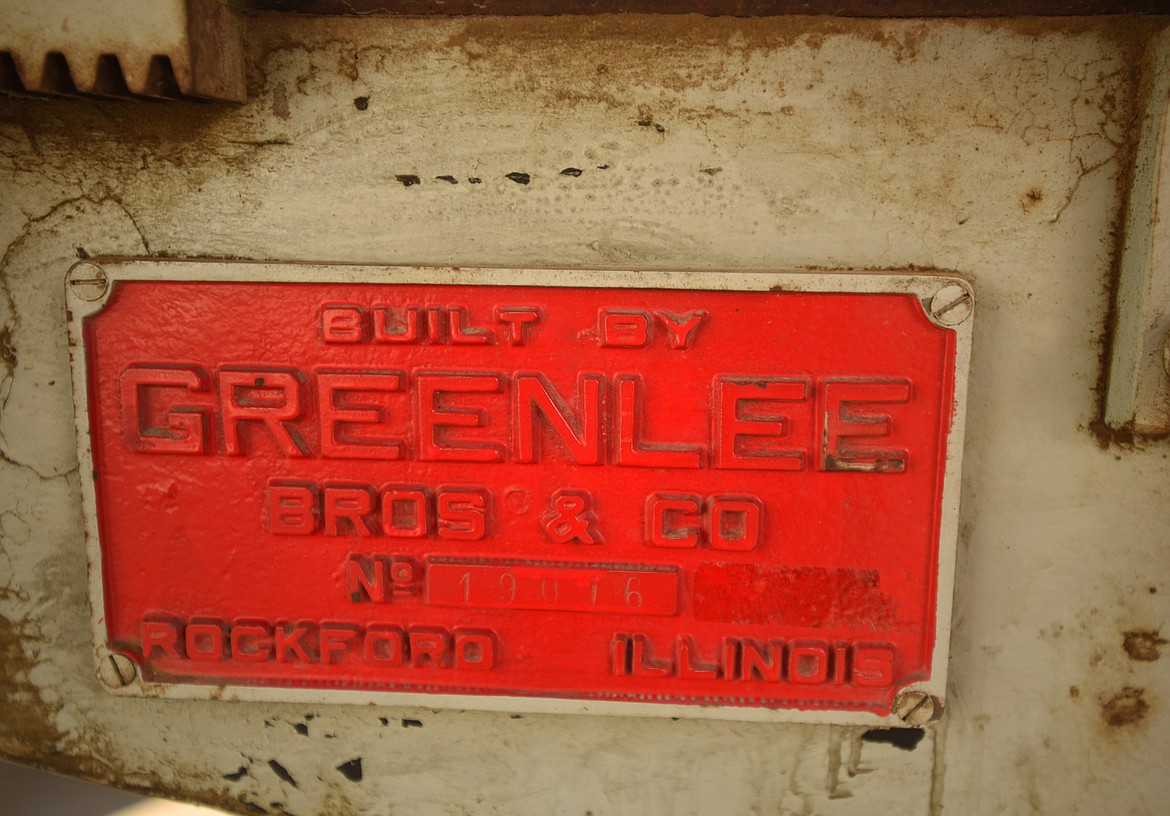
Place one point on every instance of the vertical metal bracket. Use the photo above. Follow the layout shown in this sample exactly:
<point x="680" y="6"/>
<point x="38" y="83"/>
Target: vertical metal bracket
<point x="1138" y="395"/>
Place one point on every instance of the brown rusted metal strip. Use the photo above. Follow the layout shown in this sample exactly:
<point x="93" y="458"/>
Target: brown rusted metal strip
<point x="714" y="8"/>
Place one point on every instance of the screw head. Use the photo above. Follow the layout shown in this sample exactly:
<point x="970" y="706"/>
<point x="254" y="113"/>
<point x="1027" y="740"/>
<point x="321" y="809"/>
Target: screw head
<point x="87" y="281"/>
<point x="951" y="305"/>
<point x="917" y="708"/>
<point x="117" y="671"/>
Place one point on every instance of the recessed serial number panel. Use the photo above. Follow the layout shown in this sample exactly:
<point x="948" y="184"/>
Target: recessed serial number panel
<point x="677" y="497"/>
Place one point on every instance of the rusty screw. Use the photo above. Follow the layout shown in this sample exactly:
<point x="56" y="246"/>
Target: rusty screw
<point x="117" y="671"/>
<point x="88" y="281"/>
<point x="951" y="305"/>
<point x="917" y="708"/>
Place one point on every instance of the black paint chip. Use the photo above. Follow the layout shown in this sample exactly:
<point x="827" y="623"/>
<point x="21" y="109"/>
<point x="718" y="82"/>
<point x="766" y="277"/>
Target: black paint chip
<point x="905" y="738"/>
<point x="282" y="772"/>
<point x="352" y="770"/>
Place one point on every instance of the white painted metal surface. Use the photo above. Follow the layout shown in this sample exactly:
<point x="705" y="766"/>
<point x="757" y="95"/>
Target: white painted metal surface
<point x="997" y="149"/>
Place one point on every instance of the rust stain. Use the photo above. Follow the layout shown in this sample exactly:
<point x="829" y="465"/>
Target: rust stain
<point x="27" y="731"/>
<point x="1107" y="436"/>
<point x="1031" y="198"/>
<point x="29" y="735"/>
<point x="347" y="63"/>
<point x="7" y="351"/>
<point x="1126" y="707"/>
<point x="1143" y="644"/>
<point x="905" y="48"/>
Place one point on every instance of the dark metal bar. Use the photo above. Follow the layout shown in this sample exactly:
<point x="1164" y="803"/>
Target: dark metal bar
<point x="718" y="8"/>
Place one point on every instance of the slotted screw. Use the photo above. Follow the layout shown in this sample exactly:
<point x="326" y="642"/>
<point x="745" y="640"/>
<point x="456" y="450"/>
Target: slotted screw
<point x="88" y="281"/>
<point x="951" y="305"/>
<point x="916" y="708"/>
<point x="117" y="671"/>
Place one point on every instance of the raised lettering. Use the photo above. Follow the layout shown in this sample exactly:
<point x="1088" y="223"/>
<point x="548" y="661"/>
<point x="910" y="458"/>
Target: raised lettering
<point x="292" y="508"/>
<point x="404" y="512"/>
<point x="673" y="520"/>
<point x="808" y="663"/>
<point x="268" y="397"/>
<point x="631" y="450"/>
<point x="619" y="328"/>
<point x="342" y="414"/>
<point x="680" y="329"/>
<point x="185" y="430"/>
<point x="204" y="641"/>
<point x="347" y="511"/>
<point x="850" y="420"/>
<point x="389" y="329"/>
<point x="435" y="442"/>
<point x="462" y="514"/>
<point x="873" y="664"/>
<point x="461" y="333"/>
<point x="251" y="642"/>
<point x="335" y="640"/>
<point x="750" y="430"/>
<point x="580" y="433"/>
<point x="519" y="320"/>
<point x="342" y="323"/>
<point x="160" y="634"/>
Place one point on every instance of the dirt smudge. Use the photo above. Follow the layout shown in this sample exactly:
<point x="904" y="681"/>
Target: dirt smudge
<point x="280" y="101"/>
<point x="1143" y="644"/>
<point x="1126" y="707"/>
<point x="1031" y="198"/>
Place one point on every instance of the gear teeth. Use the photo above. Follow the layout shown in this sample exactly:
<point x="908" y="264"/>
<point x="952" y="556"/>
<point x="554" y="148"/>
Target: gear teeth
<point x="107" y="78"/>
